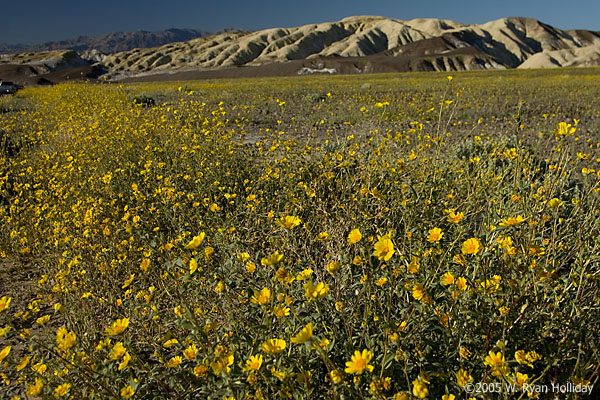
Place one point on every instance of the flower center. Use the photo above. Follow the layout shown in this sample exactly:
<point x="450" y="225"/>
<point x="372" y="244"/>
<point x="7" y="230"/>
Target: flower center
<point x="360" y="363"/>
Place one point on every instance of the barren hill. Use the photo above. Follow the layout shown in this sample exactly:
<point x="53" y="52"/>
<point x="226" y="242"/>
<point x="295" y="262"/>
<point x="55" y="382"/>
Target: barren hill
<point x="47" y="67"/>
<point x="432" y="44"/>
<point x="586" y="56"/>
<point x="358" y="44"/>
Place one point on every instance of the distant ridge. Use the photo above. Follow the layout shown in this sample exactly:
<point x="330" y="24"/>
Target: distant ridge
<point x="357" y="44"/>
<point x="114" y="42"/>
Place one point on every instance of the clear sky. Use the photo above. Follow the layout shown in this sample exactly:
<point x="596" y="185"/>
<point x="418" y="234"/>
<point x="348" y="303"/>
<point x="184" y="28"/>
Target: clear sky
<point x="35" y="21"/>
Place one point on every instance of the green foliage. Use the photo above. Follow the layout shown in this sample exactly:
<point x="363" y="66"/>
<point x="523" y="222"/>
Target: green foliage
<point x="173" y="243"/>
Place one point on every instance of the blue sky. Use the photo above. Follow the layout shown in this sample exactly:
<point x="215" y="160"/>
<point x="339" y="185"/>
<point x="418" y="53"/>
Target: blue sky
<point x="36" y="21"/>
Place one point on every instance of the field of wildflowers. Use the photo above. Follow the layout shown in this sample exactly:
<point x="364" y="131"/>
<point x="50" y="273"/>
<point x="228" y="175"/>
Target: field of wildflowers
<point x="374" y="237"/>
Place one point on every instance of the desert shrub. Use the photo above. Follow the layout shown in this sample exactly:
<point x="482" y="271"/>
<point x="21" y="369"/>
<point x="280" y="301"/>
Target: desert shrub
<point x="182" y="255"/>
<point x="143" y="100"/>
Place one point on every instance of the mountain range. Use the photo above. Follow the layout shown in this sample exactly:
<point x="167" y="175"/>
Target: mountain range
<point x="112" y="42"/>
<point x="358" y="44"/>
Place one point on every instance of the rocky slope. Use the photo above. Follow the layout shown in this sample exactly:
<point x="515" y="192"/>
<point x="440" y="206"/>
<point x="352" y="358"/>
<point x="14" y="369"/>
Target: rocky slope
<point x="431" y="43"/>
<point x="47" y="67"/>
<point x="352" y="45"/>
<point x="586" y="56"/>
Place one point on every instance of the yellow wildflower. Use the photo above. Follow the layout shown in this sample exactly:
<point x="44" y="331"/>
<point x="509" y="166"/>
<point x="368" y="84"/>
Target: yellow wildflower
<point x="496" y="362"/>
<point x="464" y="353"/>
<point x="284" y="276"/>
<point x="414" y="266"/>
<point x="304" y="335"/>
<point x="145" y="265"/>
<point x="174" y="362"/>
<point x="222" y="363"/>
<point x="170" y="343"/>
<point x="4" y="331"/>
<point x="420" y="389"/>
<point x="261" y="298"/>
<point x="521" y="358"/>
<point x="220" y="287"/>
<point x="320" y="344"/>
<point x="190" y="352"/>
<point x="460" y="260"/>
<point x="456" y="217"/>
<point x="277" y="373"/>
<point x="520" y="379"/>
<point x="127" y="392"/>
<point x="273" y="259"/>
<point x="250" y="267"/>
<point x="43" y="320"/>
<point x="4" y="302"/>
<point x="564" y="129"/>
<point x="336" y="376"/>
<point x="36" y="389"/>
<point x="179" y="311"/>
<point x="354" y="236"/>
<point x="23" y="363"/>
<point x="554" y="203"/>
<point x="64" y="339"/>
<point x="62" y="390"/>
<point x="117" y="327"/>
<point x="384" y="248"/>
<point x="333" y="266"/>
<point x="359" y="362"/>
<point x="288" y="222"/>
<point x="273" y="346"/>
<point x="5" y="352"/>
<point x="317" y="291"/>
<point x="471" y="246"/>
<point x="125" y="361"/>
<point x="254" y="363"/>
<point x="381" y="281"/>
<point x="358" y="260"/>
<point x="323" y="236"/>
<point x="447" y="279"/>
<point x="435" y="235"/>
<point x="200" y="370"/>
<point x="304" y="274"/>
<point x="208" y="253"/>
<point x="195" y="242"/>
<point x="117" y="351"/>
<point x="512" y="221"/>
<point x="280" y="310"/>
<point x="463" y="377"/>
<point x="39" y="368"/>
<point x="128" y="282"/>
<point x="532" y="356"/>
<point x="193" y="265"/>
<point x="243" y="257"/>
<point x="418" y="291"/>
